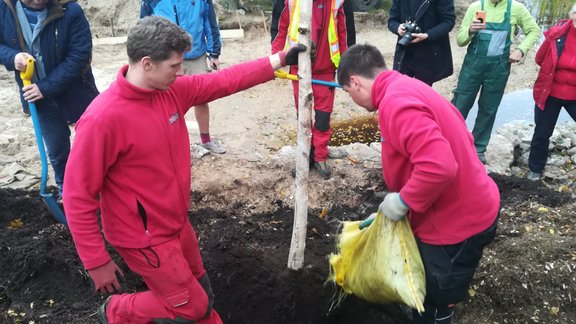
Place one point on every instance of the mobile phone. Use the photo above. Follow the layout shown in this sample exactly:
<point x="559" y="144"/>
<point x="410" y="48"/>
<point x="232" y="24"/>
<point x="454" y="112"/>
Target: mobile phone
<point x="481" y="17"/>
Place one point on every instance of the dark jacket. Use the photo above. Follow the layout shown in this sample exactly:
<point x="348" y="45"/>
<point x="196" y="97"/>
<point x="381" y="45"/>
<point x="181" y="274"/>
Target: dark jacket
<point x="432" y="58"/>
<point x="547" y="57"/>
<point x="66" y="46"/>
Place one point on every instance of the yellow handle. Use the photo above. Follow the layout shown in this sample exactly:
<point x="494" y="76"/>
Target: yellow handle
<point x="284" y="75"/>
<point x="26" y="76"/>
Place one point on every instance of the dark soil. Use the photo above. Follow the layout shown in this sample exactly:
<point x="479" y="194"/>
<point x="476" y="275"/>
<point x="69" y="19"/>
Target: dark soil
<point x="526" y="276"/>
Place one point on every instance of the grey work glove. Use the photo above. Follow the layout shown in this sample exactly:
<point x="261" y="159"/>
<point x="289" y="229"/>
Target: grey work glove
<point x="393" y="207"/>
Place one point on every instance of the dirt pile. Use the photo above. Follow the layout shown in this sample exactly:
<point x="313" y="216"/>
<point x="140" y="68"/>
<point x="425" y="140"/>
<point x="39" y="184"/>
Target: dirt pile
<point x="528" y="274"/>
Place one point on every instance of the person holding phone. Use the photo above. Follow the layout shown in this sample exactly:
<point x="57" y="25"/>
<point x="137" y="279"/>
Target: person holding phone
<point x="198" y="19"/>
<point x="426" y="54"/>
<point x="487" y="62"/>
<point x="481" y="17"/>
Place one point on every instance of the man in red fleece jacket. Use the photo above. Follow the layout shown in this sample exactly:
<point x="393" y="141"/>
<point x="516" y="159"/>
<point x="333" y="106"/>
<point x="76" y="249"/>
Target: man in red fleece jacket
<point x="430" y="164"/>
<point x="131" y="160"/>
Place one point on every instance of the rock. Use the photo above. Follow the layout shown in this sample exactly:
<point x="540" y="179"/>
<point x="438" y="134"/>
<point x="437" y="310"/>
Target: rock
<point x="198" y="151"/>
<point x="517" y="132"/>
<point x="6" y="140"/>
<point x="376" y="146"/>
<point x="80" y="306"/>
<point x="557" y="160"/>
<point x="337" y="152"/>
<point x="362" y="152"/>
<point x="499" y="155"/>
<point x="286" y="152"/>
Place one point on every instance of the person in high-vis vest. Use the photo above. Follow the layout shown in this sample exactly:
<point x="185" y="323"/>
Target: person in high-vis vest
<point x="329" y="37"/>
<point x="487" y="62"/>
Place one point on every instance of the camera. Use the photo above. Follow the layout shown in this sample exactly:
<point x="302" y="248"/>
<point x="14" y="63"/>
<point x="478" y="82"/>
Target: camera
<point x="411" y="27"/>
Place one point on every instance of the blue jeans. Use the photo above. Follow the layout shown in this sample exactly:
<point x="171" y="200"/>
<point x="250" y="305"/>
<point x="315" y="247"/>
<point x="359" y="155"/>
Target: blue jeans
<point x="545" y="121"/>
<point x="56" y="135"/>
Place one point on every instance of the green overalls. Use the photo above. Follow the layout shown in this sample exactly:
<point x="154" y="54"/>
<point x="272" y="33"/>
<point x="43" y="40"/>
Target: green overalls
<point x="486" y="65"/>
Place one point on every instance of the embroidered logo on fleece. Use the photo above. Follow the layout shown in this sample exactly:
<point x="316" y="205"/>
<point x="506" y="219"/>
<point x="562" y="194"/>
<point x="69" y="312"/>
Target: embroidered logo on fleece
<point x="173" y="118"/>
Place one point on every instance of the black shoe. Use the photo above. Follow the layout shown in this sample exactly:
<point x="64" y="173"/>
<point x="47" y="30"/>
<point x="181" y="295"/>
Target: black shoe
<point x="323" y="169"/>
<point x="102" y="311"/>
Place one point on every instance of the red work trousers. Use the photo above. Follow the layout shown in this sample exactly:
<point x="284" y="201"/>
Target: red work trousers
<point x="175" y="275"/>
<point x="323" y="105"/>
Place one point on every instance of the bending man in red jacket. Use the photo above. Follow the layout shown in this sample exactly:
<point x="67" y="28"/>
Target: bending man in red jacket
<point x="329" y="35"/>
<point x="131" y="160"/>
<point x="429" y="163"/>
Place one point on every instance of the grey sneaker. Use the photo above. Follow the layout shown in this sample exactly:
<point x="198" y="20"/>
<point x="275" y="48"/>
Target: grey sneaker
<point x="534" y="176"/>
<point x="323" y="169"/>
<point x="214" y="147"/>
<point x="102" y="311"/>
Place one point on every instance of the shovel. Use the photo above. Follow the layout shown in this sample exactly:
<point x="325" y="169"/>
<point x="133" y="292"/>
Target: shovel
<point x="48" y="198"/>
<point x="285" y="75"/>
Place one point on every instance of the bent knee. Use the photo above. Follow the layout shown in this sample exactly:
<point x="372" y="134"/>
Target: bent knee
<point x="192" y="303"/>
<point x="321" y="120"/>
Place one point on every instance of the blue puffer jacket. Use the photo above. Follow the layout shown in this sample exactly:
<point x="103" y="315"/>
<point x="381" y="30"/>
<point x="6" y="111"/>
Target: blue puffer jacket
<point x="196" y="17"/>
<point x="66" y="47"/>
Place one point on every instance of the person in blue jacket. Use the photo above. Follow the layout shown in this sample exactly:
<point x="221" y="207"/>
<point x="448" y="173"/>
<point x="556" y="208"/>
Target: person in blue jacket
<point x="57" y="36"/>
<point x="198" y="19"/>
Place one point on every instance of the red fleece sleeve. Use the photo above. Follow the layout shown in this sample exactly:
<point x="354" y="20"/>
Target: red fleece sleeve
<point x="279" y="42"/>
<point x="419" y="137"/>
<point x="342" y="37"/>
<point x="202" y="88"/>
<point x="84" y="175"/>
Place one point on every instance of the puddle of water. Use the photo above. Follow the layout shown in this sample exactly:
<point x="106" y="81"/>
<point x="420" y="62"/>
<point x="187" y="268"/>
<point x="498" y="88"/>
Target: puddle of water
<point x="517" y="105"/>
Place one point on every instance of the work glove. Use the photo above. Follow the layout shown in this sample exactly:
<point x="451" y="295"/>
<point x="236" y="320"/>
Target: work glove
<point x="105" y="279"/>
<point x="368" y="221"/>
<point x="290" y="56"/>
<point x="393" y="207"/>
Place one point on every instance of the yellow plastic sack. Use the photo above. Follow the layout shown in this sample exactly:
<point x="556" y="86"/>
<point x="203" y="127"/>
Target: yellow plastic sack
<point x="380" y="263"/>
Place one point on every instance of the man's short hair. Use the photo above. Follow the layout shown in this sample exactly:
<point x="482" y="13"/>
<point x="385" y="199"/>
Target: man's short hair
<point x="361" y="59"/>
<point x="157" y="38"/>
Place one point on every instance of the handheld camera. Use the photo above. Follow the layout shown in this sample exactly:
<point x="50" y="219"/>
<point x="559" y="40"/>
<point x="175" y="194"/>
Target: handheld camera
<point x="411" y="27"/>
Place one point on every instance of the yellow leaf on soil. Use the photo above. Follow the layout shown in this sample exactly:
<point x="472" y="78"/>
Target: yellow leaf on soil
<point x="17" y="223"/>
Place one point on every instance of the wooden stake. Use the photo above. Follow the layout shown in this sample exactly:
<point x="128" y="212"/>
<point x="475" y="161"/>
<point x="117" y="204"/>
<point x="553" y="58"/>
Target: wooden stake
<point x="112" y="27"/>
<point x="264" y="22"/>
<point x="305" y="101"/>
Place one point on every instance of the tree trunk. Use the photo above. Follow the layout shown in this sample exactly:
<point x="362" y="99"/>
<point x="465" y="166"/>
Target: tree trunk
<point x="305" y="101"/>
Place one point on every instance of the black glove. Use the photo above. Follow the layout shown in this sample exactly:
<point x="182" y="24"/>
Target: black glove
<point x="290" y="57"/>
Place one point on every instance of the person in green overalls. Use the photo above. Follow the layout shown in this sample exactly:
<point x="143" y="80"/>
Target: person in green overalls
<point x="486" y="66"/>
